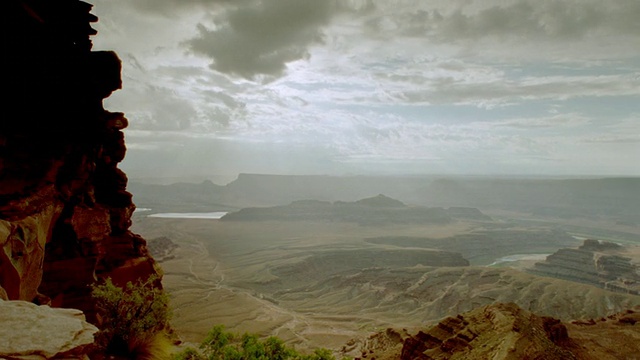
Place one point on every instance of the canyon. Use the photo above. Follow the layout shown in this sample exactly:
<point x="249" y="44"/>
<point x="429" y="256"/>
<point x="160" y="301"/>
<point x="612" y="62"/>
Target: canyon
<point x="319" y="261"/>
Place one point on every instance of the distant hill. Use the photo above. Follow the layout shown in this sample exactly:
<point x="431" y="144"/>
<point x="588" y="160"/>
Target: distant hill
<point x="179" y="197"/>
<point x="375" y="210"/>
<point x="617" y="198"/>
<point x="283" y="189"/>
<point x="381" y="201"/>
<point x="613" y="198"/>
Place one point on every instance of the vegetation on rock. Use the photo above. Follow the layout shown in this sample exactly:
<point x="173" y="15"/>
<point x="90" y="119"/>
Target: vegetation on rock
<point x="130" y="317"/>
<point x="224" y="345"/>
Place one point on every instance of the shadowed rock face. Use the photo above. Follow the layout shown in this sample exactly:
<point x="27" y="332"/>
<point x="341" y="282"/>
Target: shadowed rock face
<point x="64" y="209"/>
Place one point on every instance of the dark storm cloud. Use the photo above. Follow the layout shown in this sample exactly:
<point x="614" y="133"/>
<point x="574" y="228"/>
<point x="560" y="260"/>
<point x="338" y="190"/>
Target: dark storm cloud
<point x="168" y="7"/>
<point x="261" y="38"/>
<point x="554" y="19"/>
<point x="384" y="84"/>
<point x="517" y="19"/>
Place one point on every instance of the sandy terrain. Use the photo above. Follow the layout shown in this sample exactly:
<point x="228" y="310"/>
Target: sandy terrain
<point x="215" y="259"/>
<point x="247" y="276"/>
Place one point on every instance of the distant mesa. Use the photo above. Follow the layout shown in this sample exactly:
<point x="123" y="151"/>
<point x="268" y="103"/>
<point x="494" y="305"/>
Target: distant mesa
<point x="379" y="209"/>
<point x="597" y="245"/>
<point x="611" y="198"/>
<point x="381" y="201"/>
<point x="597" y="263"/>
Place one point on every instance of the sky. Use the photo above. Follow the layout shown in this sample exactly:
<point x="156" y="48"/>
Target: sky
<point x="213" y="88"/>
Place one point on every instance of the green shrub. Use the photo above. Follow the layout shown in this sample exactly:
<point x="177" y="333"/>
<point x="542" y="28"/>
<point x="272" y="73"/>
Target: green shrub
<point x="223" y="345"/>
<point x="132" y="316"/>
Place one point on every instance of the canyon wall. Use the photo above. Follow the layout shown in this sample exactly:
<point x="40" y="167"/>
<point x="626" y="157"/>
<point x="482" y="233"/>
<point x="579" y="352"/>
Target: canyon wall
<point x="598" y="263"/>
<point x="65" y="211"/>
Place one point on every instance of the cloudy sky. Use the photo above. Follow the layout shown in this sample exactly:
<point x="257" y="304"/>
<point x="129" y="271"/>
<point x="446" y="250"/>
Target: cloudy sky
<point x="218" y="87"/>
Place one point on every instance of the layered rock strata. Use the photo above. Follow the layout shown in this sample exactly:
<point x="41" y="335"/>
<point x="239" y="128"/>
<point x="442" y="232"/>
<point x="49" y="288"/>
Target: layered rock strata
<point x="596" y="263"/>
<point x="505" y="331"/>
<point x="65" y="212"/>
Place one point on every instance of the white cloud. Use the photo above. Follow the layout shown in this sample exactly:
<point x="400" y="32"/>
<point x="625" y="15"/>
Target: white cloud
<point x="553" y="121"/>
<point x="487" y="86"/>
<point x="508" y="91"/>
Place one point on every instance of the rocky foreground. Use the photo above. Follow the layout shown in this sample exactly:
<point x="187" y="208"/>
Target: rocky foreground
<point x="73" y="337"/>
<point x="506" y="331"/>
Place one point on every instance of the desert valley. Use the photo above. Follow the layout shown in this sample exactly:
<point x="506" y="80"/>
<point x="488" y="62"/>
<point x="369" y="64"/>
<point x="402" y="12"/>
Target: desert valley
<point x="318" y="266"/>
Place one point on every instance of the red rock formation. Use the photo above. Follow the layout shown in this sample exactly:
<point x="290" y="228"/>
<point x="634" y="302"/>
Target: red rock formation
<point x="500" y="331"/>
<point x="64" y="209"/>
<point x="505" y="331"/>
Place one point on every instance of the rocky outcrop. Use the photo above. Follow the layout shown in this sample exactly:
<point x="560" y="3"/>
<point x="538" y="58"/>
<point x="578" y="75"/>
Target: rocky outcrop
<point x="597" y="263"/>
<point x="382" y="345"/>
<point x="161" y="248"/>
<point x="51" y="333"/>
<point x="505" y="331"/>
<point x="65" y="212"/>
<point x="500" y="331"/>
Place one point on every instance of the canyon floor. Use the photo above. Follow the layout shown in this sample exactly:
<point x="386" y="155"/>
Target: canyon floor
<point x="330" y="284"/>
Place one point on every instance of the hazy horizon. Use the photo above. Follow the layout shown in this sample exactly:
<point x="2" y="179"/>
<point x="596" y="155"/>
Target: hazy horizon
<point x="220" y="179"/>
<point x="218" y="88"/>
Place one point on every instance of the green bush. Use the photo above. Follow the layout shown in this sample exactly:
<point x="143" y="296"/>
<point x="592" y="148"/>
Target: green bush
<point x="223" y="345"/>
<point x="130" y="316"/>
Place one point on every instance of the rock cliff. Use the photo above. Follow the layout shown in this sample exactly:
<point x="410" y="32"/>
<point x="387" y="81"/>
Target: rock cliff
<point x="65" y="212"/>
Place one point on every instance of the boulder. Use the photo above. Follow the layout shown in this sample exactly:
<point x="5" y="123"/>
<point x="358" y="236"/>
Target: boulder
<point x="29" y="331"/>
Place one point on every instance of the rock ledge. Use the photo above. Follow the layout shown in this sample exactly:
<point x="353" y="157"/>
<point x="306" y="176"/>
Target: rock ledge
<point x="36" y="332"/>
